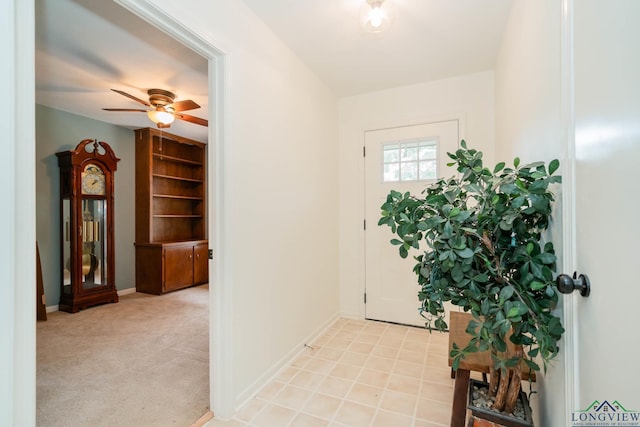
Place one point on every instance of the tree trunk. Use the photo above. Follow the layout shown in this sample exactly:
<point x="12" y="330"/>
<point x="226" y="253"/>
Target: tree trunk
<point x="515" y="383"/>
<point x="494" y="380"/>
<point x="501" y="395"/>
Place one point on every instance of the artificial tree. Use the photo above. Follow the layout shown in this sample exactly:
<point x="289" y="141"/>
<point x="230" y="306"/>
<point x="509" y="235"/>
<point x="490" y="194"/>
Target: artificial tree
<point x="485" y="253"/>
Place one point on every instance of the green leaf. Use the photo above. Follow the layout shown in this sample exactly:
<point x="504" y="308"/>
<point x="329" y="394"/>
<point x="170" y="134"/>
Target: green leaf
<point x="506" y="293"/>
<point x="396" y="242"/>
<point x="553" y="166"/>
<point x="498" y="167"/>
<point x="465" y="253"/>
<point x="516" y="162"/>
<point x="536" y="286"/>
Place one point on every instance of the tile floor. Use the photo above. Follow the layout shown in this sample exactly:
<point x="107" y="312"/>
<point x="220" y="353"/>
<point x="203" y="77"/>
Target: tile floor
<point x="358" y="373"/>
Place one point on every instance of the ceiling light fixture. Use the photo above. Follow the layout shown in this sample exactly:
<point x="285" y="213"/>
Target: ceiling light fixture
<point x="377" y="20"/>
<point x="161" y="116"/>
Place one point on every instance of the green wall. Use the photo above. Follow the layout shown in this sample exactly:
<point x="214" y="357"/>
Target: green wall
<point x="60" y="131"/>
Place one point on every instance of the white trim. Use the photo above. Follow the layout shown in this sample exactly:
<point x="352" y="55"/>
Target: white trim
<point x="284" y="362"/>
<point x="53" y="308"/>
<point x="18" y="223"/>
<point x="127" y="291"/>
<point x="569" y="263"/>
<point x="220" y="299"/>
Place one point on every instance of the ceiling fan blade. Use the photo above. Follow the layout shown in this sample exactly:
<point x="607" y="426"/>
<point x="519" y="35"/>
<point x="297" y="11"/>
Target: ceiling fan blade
<point x="132" y="97"/>
<point x="123" y="109"/>
<point x="192" y="119"/>
<point x="185" y="105"/>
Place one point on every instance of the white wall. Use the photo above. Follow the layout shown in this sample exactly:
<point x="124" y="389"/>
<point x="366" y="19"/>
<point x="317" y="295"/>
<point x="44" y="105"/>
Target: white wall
<point x="469" y="98"/>
<point x="529" y="125"/>
<point x="281" y="250"/>
<point x="60" y="131"/>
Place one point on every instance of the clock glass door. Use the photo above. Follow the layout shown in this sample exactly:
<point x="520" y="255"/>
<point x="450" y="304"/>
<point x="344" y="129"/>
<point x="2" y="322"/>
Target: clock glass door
<point x="66" y="247"/>
<point x="94" y="245"/>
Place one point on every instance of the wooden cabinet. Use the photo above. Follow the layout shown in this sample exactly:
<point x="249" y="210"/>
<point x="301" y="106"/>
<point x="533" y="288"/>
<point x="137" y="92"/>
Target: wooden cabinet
<point x="171" y="246"/>
<point x="166" y="267"/>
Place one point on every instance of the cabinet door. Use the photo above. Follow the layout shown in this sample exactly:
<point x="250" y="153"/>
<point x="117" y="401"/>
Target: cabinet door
<point x="178" y="267"/>
<point x="201" y="263"/>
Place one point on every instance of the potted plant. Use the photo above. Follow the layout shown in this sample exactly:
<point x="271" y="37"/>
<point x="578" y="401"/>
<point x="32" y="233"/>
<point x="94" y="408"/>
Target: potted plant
<point x="485" y="253"/>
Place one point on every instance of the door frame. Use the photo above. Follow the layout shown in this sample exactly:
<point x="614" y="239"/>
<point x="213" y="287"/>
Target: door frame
<point x="569" y="261"/>
<point x="369" y="127"/>
<point x="17" y="309"/>
<point x="221" y="399"/>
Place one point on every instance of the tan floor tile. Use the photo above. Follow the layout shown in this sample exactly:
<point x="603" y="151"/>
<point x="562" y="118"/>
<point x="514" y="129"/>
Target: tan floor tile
<point x="360" y="373"/>
<point x="336" y="387"/>
<point x="250" y="409"/>
<point x="348" y="372"/>
<point x="224" y="423"/>
<point x="320" y="341"/>
<point x="378" y="363"/>
<point x="308" y="380"/>
<point x="433" y="411"/>
<point x="322" y="406"/>
<point x="361" y="347"/>
<point x="287" y="374"/>
<point x="273" y="416"/>
<point x="404" y="384"/>
<point x="424" y="423"/>
<point x="398" y="402"/>
<point x="408" y="368"/>
<point x="300" y="361"/>
<point x="392" y="340"/>
<point x="347" y="335"/>
<point x="292" y="397"/>
<point x="434" y="391"/>
<point x="269" y="391"/>
<point x="351" y="358"/>
<point x="362" y="393"/>
<point x="355" y="414"/>
<point x="385" y="351"/>
<point x="389" y="419"/>
<point x="320" y="366"/>
<point x="304" y="420"/>
<point x="339" y="343"/>
<point x="373" y="378"/>
<point x="411" y="356"/>
<point x="330" y="353"/>
<point x="368" y="338"/>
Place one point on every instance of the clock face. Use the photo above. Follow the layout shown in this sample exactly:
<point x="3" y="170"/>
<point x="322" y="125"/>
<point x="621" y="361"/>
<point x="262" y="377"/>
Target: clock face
<point x="93" y="181"/>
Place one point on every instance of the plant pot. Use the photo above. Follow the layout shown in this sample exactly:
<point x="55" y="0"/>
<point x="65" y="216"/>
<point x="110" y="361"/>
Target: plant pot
<point x="478" y="415"/>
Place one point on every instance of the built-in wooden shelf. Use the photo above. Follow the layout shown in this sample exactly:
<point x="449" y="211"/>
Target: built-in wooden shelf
<point x="171" y="245"/>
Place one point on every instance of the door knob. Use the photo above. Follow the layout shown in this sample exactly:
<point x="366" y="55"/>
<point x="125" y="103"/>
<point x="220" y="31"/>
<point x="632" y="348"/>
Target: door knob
<point x="567" y="284"/>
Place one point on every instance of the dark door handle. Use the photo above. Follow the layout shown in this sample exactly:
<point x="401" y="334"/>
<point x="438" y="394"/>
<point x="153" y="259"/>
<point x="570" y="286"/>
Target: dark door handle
<point x="567" y="284"/>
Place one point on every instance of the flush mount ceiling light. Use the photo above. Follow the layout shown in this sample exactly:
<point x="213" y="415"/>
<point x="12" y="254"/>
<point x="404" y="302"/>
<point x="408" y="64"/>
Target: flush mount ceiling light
<point x="377" y="19"/>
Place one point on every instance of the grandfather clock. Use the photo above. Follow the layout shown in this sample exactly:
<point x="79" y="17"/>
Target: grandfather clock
<point x="86" y="225"/>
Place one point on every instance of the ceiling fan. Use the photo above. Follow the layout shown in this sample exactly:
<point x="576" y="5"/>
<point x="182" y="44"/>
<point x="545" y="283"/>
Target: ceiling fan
<point x="163" y="110"/>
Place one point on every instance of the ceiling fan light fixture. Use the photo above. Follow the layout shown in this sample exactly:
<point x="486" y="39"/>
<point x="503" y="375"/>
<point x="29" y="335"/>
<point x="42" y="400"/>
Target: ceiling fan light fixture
<point x="161" y="116"/>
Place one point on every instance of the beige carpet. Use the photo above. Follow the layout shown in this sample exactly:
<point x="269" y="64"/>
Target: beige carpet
<point x="141" y="362"/>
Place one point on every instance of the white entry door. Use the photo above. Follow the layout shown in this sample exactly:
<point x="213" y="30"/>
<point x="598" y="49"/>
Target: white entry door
<point x="404" y="158"/>
<point x="607" y="156"/>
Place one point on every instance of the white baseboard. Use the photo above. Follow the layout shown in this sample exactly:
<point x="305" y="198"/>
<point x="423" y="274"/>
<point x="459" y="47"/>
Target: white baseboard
<point x="275" y="370"/>
<point x="121" y="292"/>
<point x="351" y="315"/>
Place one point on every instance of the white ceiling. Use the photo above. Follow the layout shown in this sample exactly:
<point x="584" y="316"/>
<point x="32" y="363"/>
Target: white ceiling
<point x="427" y="40"/>
<point x="84" y="48"/>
